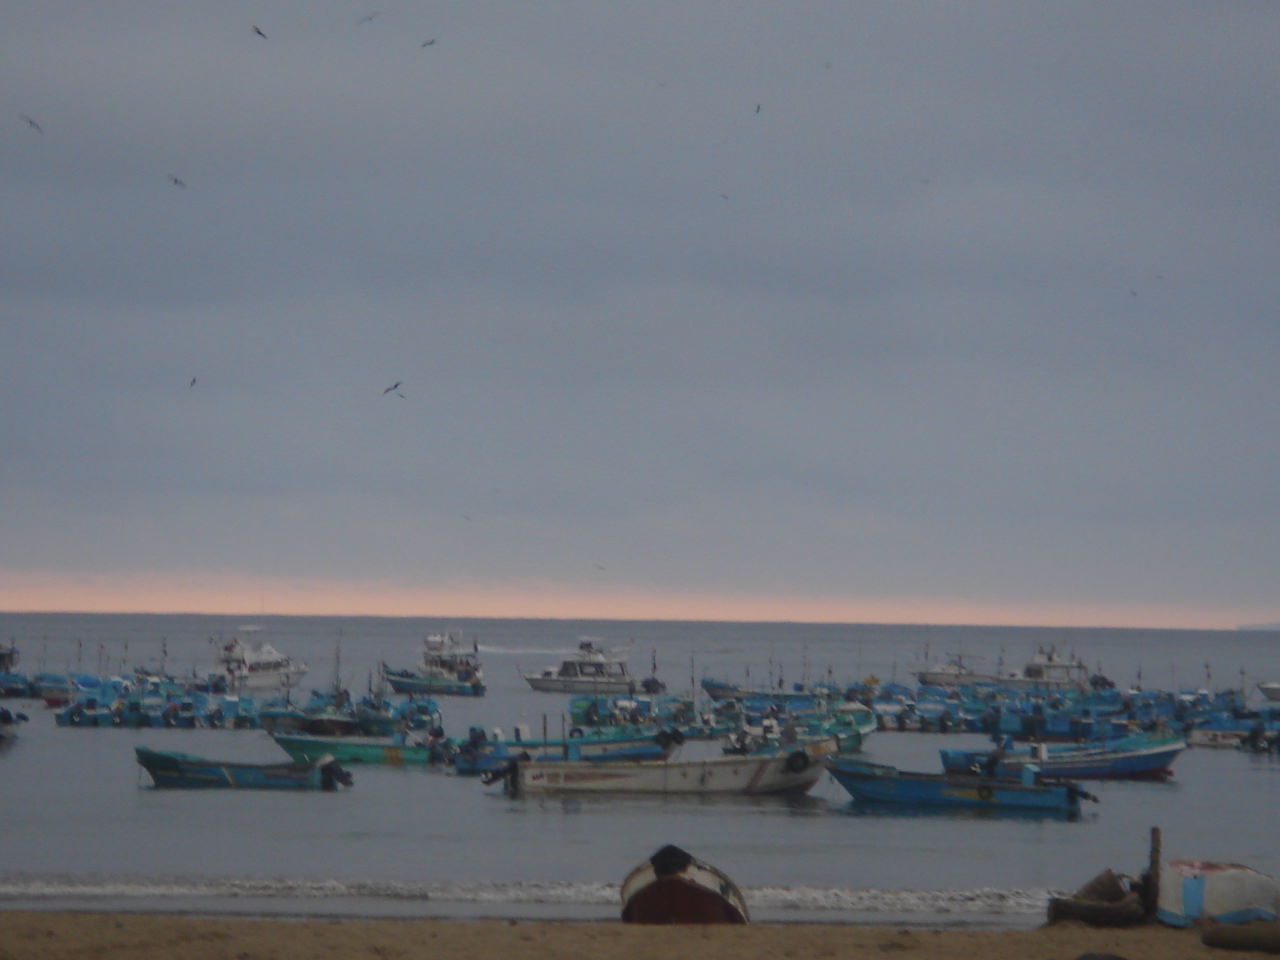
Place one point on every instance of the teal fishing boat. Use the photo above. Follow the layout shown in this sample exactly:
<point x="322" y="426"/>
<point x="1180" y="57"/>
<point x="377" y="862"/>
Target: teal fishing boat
<point x="385" y="751"/>
<point x="182" y="770"/>
<point x="446" y="667"/>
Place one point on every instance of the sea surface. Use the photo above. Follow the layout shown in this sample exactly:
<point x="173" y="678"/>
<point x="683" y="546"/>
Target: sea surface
<point x="82" y="827"/>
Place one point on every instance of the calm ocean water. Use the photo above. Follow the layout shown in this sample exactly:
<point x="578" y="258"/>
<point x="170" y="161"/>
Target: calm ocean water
<point x="81" y="826"/>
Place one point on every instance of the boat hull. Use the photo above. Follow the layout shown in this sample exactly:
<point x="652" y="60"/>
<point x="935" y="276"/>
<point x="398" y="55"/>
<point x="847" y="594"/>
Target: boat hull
<point x="183" y="771"/>
<point x="876" y="783"/>
<point x="673" y="886"/>
<point x="413" y="684"/>
<point x="794" y="772"/>
<point x="1129" y="759"/>
<point x="359" y="750"/>
<point x="584" y="685"/>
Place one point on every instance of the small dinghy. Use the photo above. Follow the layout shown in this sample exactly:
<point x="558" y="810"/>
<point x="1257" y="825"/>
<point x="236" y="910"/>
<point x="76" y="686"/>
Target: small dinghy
<point x="673" y="886"/>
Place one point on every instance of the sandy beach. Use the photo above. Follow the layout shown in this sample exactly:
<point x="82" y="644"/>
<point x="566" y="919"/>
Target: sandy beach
<point x="125" y="936"/>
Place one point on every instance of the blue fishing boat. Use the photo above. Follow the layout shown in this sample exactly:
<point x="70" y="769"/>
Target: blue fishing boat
<point x="87" y="710"/>
<point x="446" y="667"/>
<point x="879" y="783"/>
<point x="1140" y="756"/>
<point x="181" y="770"/>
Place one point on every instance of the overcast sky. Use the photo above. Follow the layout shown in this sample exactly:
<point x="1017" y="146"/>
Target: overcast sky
<point x="894" y="311"/>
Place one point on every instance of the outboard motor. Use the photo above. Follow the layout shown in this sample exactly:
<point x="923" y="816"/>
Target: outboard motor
<point x="332" y="774"/>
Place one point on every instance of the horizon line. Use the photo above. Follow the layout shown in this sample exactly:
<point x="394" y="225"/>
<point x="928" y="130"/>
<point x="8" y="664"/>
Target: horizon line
<point x="250" y="615"/>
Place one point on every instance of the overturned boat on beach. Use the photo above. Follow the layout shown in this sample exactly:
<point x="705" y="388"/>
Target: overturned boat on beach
<point x="673" y="886"/>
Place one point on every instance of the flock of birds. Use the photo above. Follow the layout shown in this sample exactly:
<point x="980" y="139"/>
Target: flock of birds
<point x="177" y="181"/>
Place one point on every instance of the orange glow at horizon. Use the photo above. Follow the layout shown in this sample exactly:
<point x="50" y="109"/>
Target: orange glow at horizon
<point x="229" y="593"/>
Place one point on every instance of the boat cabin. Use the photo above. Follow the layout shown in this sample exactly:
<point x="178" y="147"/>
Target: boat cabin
<point x="590" y="663"/>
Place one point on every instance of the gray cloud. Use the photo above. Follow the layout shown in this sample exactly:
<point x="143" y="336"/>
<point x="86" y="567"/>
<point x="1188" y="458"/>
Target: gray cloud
<point x="980" y="304"/>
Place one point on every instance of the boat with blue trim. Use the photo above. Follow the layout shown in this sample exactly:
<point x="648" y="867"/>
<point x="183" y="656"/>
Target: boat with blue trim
<point x="879" y="783"/>
<point x="170" y="768"/>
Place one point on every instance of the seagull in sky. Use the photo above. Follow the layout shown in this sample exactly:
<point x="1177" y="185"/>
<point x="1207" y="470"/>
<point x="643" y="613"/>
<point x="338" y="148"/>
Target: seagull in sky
<point x="176" y="181"/>
<point x="31" y="123"/>
<point x="429" y="43"/>
<point x="395" y="386"/>
<point x="258" y="30"/>
<point x="192" y="384"/>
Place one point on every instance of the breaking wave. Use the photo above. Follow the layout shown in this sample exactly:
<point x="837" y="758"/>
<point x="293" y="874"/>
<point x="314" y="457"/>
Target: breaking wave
<point x="981" y="901"/>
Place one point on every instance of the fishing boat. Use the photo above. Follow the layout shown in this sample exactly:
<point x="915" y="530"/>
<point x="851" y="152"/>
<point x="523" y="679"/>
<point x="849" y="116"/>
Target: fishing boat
<point x="724" y="690"/>
<point x="445" y="667"/>
<point x="778" y="772"/>
<point x="182" y="770"/>
<point x="258" y="666"/>
<point x="1046" y="670"/>
<point x="1270" y="689"/>
<point x="880" y="783"/>
<point x="1208" y="892"/>
<point x="589" y="670"/>
<point x="482" y="754"/>
<point x="1140" y="756"/>
<point x="673" y="886"/>
<point x="386" y="751"/>
<point x="86" y="710"/>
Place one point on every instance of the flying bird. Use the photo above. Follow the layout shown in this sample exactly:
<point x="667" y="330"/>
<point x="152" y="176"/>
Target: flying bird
<point x="757" y="108"/>
<point x="258" y="30"/>
<point x="192" y="383"/>
<point x="32" y="123"/>
<point x="395" y="386"/>
<point x="370" y="17"/>
<point x="176" y="181"/>
<point x="429" y="43"/>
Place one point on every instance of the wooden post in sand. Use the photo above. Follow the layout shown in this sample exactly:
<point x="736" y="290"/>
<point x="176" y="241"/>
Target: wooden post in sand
<point x="1151" y="882"/>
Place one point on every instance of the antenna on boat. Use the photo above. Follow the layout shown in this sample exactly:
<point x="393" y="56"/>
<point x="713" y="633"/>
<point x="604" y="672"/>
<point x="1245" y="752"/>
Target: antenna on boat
<point x="693" y="682"/>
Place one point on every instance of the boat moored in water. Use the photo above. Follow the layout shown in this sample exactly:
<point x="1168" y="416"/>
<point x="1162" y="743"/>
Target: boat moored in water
<point x="591" y="670"/>
<point x="258" y="666"/>
<point x="879" y="783"/>
<point x="792" y="771"/>
<point x="445" y="667"/>
<point x="1140" y="756"/>
<point x="182" y="770"/>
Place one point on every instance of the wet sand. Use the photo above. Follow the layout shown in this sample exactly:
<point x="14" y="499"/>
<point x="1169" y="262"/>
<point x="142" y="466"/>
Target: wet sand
<point x="131" y="936"/>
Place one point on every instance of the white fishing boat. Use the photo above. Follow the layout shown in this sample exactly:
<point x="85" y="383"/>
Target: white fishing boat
<point x="793" y="771"/>
<point x="1044" y="671"/>
<point x="1270" y="689"/>
<point x="589" y="670"/>
<point x="258" y="666"/>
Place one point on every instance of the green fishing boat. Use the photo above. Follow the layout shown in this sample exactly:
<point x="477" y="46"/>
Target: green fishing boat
<point x="388" y="751"/>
